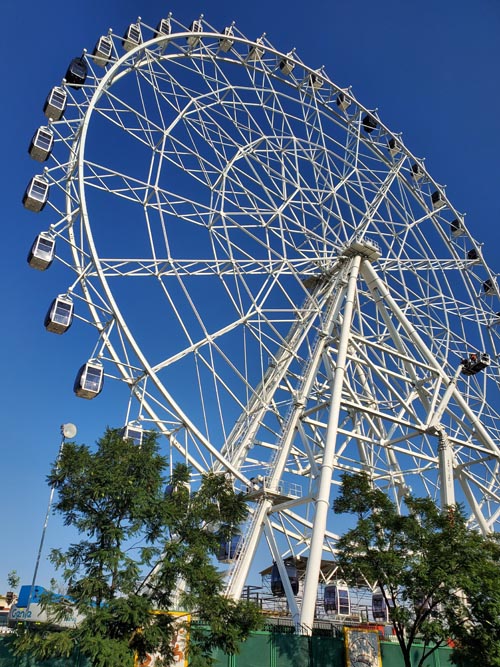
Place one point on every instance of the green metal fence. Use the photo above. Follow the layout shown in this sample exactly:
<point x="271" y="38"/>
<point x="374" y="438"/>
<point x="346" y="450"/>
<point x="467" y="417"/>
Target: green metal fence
<point x="268" y="649"/>
<point x="391" y="656"/>
<point x="271" y="649"/>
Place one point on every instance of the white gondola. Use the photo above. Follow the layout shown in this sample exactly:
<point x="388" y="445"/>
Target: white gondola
<point x="456" y="227"/>
<point x="369" y="123"/>
<point x="226" y="42"/>
<point x="393" y="147"/>
<point x="380" y="611"/>
<point x="337" y="599"/>
<point x="438" y="200"/>
<point x="89" y="380"/>
<point x="42" y="252"/>
<point x="286" y="65"/>
<point x="101" y="55"/>
<point x="256" y="51"/>
<point x="164" y="27"/>
<point x="417" y="172"/>
<point x="59" y="316"/>
<point x="343" y="102"/>
<point x="195" y="28"/>
<point x="315" y="81"/>
<point x="132" y="37"/>
<point x="55" y="104"/>
<point x="36" y="194"/>
<point x="76" y="74"/>
<point x="133" y="431"/>
<point x="41" y="144"/>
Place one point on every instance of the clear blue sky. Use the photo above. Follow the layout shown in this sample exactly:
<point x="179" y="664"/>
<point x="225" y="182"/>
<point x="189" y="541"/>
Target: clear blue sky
<point x="431" y="68"/>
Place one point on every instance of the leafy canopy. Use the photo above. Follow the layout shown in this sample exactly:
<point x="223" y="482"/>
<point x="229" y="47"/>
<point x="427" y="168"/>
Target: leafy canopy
<point x="439" y="579"/>
<point x="131" y="522"/>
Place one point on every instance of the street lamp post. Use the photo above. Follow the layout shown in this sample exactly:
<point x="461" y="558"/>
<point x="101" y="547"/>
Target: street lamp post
<point x="67" y="431"/>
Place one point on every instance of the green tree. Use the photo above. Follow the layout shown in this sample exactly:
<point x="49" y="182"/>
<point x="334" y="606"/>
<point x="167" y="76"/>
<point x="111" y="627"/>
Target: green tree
<point x="116" y="498"/>
<point x="198" y="523"/>
<point x="13" y="580"/>
<point x="439" y="579"/>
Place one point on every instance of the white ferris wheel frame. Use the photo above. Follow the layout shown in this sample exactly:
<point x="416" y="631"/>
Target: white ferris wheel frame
<point x="383" y="383"/>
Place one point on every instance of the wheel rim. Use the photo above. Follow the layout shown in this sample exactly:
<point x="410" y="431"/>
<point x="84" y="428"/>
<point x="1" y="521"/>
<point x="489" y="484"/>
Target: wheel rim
<point x="246" y="216"/>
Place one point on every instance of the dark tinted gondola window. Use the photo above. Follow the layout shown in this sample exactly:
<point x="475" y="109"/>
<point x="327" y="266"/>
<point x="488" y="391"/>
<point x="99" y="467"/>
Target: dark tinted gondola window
<point x="44" y="245"/>
<point x="57" y="99"/>
<point x="63" y="312"/>
<point x="38" y="190"/>
<point x="44" y="140"/>
<point x="92" y="379"/>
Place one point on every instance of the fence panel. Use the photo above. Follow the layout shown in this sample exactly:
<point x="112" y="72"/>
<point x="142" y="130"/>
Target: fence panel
<point x="292" y="650"/>
<point x="327" y="652"/>
<point x="255" y="652"/>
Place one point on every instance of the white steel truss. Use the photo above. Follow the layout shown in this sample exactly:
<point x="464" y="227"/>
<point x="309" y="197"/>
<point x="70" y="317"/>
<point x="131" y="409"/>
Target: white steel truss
<point x="275" y="288"/>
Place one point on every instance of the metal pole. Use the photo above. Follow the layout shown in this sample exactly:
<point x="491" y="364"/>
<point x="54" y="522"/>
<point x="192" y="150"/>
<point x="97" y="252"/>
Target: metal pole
<point x="64" y="430"/>
<point x="322" y="504"/>
<point x="445" y="457"/>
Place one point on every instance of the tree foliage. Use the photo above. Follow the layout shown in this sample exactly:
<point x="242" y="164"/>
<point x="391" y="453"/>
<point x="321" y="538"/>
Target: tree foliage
<point x="131" y="522"/>
<point x="13" y="580"/>
<point x="440" y="580"/>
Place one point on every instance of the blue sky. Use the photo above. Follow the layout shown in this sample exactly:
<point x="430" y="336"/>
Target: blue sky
<point x="431" y="69"/>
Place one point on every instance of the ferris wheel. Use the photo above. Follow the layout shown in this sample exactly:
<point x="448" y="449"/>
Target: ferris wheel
<point x="281" y="287"/>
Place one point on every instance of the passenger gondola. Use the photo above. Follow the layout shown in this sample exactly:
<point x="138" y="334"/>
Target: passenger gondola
<point x="195" y="28"/>
<point x="226" y="42"/>
<point x="133" y="431"/>
<point x="101" y="55"/>
<point x="59" y="316"/>
<point x="337" y="599"/>
<point x="164" y="27"/>
<point x="132" y="37"/>
<point x="256" y="51"/>
<point x="41" y="144"/>
<point x="456" y="227"/>
<point x="36" y="194"/>
<point x="55" y="104"/>
<point x="170" y="489"/>
<point x="369" y="123"/>
<point x="416" y="171"/>
<point x="89" y="380"/>
<point x="228" y="549"/>
<point x="277" y="588"/>
<point x="475" y="363"/>
<point x="76" y="74"/>
<point x="343" y="102"/>
<point x="393" y="147"/>
<point x="438" y="200"/>
<point x="315" y="81"/>
<point x="286" y="65"/>
<point x="380" y="611"/>
<point x="489" y="287"/>
<point x="42" y="252"/>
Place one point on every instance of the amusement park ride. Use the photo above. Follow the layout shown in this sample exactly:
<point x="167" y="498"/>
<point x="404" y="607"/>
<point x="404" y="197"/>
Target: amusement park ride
<point x="283" y="290"/>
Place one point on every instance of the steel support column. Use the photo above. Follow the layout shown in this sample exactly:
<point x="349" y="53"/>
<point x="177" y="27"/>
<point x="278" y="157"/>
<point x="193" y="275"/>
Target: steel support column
<point x="322" y="504"/>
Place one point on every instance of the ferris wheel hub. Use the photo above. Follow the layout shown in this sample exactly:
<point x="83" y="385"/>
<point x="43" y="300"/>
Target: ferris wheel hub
<point x="367" y="248"/>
